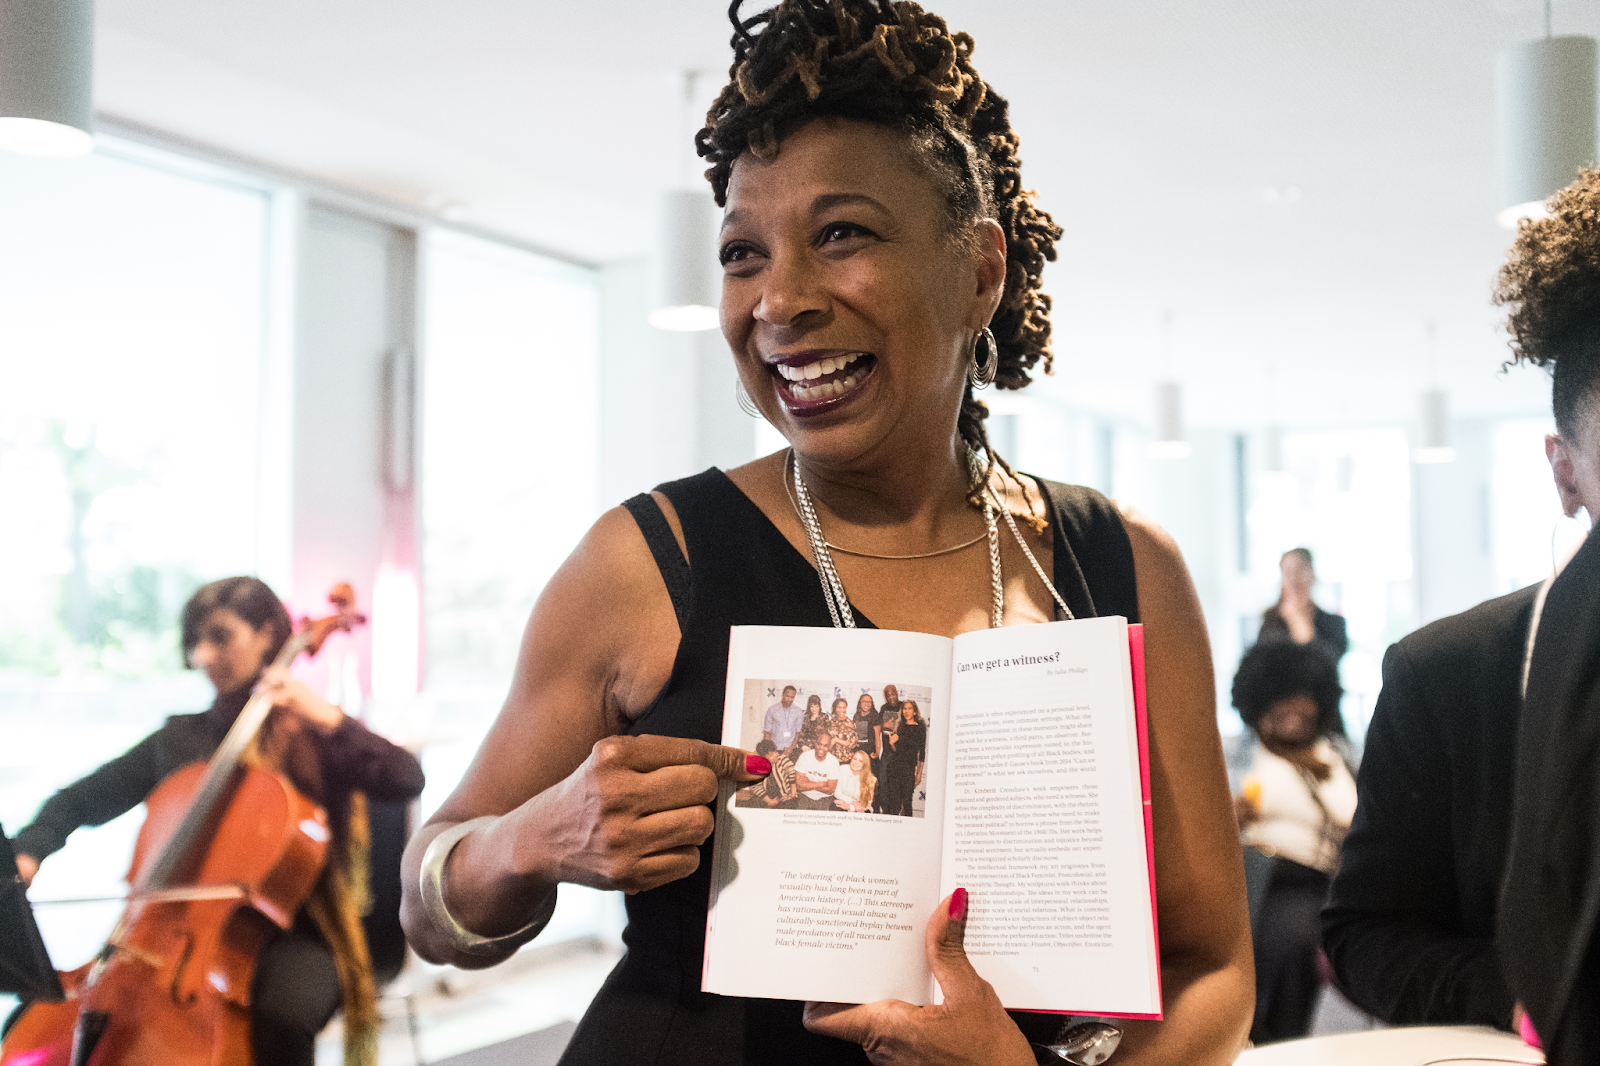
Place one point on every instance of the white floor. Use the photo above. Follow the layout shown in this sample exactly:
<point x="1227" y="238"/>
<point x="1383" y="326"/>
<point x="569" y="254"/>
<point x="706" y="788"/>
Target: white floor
<point x="456" y="1011"/>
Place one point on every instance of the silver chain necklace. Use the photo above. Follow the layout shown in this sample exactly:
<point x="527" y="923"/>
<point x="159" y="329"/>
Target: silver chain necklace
<point x="833" y="588"/>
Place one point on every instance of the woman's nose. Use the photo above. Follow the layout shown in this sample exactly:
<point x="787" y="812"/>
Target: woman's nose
<point x="790" y="289"/>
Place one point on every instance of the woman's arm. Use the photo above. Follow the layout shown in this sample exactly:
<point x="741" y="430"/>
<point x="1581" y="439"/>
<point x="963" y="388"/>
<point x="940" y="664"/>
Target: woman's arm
<point x="112" y="790"/>
<point x="1207" y="973"/>
<point x="572" y="800"/>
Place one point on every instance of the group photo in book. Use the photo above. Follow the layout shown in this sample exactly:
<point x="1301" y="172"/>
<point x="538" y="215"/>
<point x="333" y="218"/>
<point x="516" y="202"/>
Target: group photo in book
<point x="840" y="746"/>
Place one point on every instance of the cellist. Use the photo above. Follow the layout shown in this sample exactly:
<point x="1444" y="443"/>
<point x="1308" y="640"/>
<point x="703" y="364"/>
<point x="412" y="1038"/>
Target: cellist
<point x="232" y="628"/>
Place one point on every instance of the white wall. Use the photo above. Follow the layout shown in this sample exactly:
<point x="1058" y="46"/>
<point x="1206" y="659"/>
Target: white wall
<point x="356" y="304"/>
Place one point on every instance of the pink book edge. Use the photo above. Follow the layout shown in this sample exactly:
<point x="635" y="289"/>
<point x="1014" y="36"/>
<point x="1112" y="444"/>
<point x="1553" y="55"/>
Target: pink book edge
<point x="1136" y="661"/>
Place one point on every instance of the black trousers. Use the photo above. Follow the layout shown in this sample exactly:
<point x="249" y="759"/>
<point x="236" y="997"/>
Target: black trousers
<point x="294" y="995"/>
<point x="1288" y="936"/>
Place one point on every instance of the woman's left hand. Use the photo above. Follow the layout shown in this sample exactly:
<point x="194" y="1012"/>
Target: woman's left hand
<point x="970" y="1027"/>
<point x="294" y="695"/>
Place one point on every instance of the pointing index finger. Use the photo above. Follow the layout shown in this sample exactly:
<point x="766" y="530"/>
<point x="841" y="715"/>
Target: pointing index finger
<point x="729" y="764"/>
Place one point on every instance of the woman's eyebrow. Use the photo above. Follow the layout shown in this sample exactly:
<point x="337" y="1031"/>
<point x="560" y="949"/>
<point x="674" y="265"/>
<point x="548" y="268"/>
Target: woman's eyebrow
<point x="836" y="199"/>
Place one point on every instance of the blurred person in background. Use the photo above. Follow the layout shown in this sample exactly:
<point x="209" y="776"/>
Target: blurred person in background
<point x="1295" y="617"/>
<point x="1545" y="928"/>
<point x="1298" y="799"/>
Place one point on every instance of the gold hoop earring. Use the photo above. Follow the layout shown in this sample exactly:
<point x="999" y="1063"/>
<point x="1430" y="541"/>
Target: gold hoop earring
<point x="985" y="360"/>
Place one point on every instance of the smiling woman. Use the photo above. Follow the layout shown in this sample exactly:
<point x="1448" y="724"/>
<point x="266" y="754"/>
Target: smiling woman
<point x="880" y="261"/>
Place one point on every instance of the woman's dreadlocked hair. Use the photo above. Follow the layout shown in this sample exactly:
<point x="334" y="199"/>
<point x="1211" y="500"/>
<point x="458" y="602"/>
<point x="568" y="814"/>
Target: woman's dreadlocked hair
<point x="891" y="63"/>
<point x="1551" y="282"/>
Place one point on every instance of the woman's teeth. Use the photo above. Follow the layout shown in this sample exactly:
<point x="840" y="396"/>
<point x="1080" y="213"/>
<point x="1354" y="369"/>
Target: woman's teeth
<point x="825" y="389"/>
<point x="818" y="369"/>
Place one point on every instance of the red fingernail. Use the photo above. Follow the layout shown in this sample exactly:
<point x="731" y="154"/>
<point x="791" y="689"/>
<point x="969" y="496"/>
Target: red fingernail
<point x="958" y="905"/>
<point x="759" y="765"/>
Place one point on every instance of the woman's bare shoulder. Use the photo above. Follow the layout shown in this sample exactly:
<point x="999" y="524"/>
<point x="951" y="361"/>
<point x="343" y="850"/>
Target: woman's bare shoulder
<point x="1155" y="553"/>
<point x="606" y="615"/>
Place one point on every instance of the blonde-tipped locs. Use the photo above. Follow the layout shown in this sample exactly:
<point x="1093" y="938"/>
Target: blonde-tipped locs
<point x="891" y="63"/>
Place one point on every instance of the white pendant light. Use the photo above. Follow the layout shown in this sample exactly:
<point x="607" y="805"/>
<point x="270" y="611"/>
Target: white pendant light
<point x="684" y="276"/>
<point x="1433" y="430"/>
<point x="46" y="69"/>
<point x="683" y="271"/>
<point x="1272" y="450"/>
<point x="1545" y="92"/>
<point x="1170" y="442"/>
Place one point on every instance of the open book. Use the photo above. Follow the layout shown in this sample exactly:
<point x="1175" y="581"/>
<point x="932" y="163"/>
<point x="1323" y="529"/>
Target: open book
<point x="1011" y="762"/>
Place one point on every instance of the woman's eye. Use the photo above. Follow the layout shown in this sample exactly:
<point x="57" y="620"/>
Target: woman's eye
<point x="734" y="252"/>
<point x="842" y="231"/>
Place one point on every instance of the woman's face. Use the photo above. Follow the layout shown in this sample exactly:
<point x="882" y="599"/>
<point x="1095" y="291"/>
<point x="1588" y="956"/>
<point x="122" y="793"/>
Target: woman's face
<point x="864" y="704"/>
<point x="1297" y="576"/>
<point x="230" y="650"/>
<point x="907" y="712"/>
<point x="850" y="310"/>
<point x="858" y="762"/>
<point x="1291" y="722"/>
<point x="841" y="706"/>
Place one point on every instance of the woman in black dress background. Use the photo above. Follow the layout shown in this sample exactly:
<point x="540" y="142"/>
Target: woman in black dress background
<point x="905" y="766"/>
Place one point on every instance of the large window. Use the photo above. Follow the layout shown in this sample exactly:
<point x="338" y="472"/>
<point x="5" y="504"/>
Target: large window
<point x="131" y="312"/>
<point x="510" y="485"/>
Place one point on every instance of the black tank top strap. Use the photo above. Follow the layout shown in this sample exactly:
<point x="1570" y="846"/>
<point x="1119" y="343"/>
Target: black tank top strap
<point x="1093" y="556"/>
<point x="664" y="548"/>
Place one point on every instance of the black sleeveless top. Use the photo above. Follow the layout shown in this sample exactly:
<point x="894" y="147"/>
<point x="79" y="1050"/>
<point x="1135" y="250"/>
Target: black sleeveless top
<point x="745" y="572"/>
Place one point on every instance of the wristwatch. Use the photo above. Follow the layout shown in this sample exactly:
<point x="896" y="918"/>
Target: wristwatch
<point x="1084" y="1044"/>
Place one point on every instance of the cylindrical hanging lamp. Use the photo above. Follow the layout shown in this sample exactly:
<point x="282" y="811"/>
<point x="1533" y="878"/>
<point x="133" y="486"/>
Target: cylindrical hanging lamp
<point x="684" y="289"/>
<point x="1433" y="430"/>
<point x="1545" y="93"/>
<point x="46" y="76"/>
<point x="1272" y="450"/>
<point x="1170" y="442"/>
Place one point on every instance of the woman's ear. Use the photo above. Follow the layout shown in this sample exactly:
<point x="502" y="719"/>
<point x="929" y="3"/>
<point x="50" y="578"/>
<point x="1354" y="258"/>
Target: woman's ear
<point x="991" y="242"/>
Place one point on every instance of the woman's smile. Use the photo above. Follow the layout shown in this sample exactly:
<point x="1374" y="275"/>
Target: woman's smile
<point x="817" y="380"/>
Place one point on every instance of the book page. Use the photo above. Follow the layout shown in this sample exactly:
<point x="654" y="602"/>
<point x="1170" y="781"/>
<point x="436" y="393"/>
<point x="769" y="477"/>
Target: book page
<point x="1046" y="825"/>
<point x="822" y="893"/>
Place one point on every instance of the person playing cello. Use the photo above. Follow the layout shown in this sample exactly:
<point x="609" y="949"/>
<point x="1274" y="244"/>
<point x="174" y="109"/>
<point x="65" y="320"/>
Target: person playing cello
<point x="232" y="629"/>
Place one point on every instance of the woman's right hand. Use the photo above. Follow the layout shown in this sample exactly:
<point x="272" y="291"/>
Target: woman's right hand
<point x="27" y="867"/>
<point x="631" y="817"/>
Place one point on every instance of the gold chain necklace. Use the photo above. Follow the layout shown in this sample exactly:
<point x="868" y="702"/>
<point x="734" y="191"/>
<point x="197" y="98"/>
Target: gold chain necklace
<point x="831" y="546"/>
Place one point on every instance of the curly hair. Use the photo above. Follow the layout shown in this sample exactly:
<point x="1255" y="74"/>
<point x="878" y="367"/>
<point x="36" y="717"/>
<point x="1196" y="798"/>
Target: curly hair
<point x="890" y="63"/>
<point x="1276" y="670"/>
<point x="1551" y="283"/>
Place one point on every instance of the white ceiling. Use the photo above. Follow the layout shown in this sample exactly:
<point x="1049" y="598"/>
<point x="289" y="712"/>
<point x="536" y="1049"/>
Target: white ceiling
<point x="1154" y="130"/>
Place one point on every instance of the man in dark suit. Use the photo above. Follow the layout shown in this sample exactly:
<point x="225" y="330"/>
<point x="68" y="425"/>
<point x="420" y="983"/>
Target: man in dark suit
<point x="1410" y="921"/>
<point x="1552" y="894"/>
<point x="1414" y="915"/>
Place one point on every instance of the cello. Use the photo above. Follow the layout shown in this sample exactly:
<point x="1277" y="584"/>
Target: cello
<point x="228" y="853"/>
